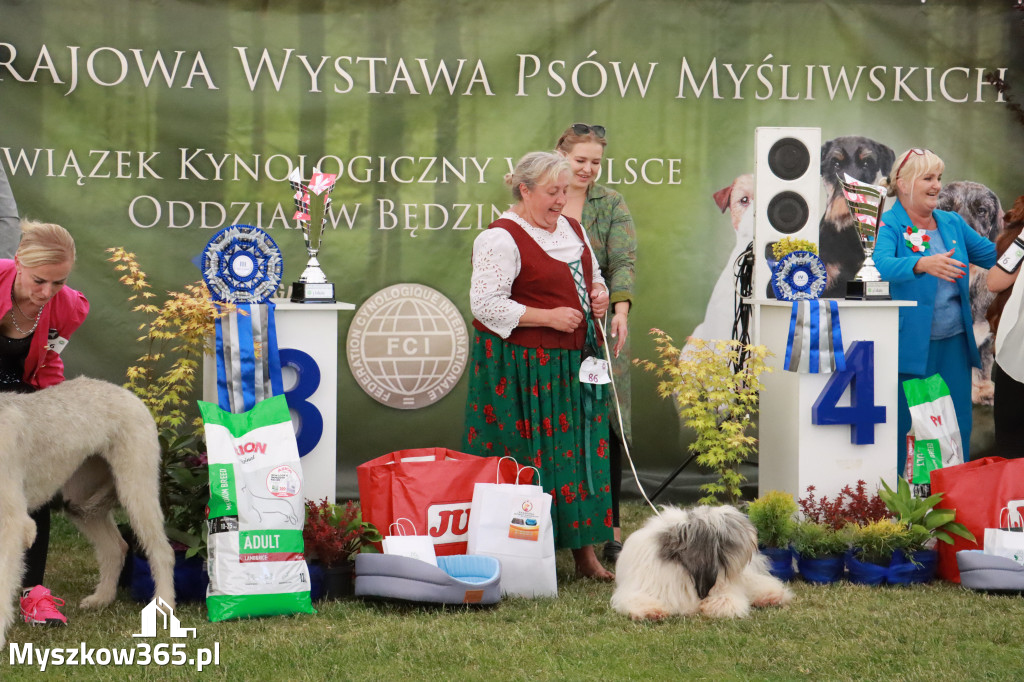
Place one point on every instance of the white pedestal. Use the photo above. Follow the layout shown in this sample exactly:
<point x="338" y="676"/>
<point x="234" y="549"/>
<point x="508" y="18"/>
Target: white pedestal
<point x="795" y="453"/>
<point x="307" y="336"/>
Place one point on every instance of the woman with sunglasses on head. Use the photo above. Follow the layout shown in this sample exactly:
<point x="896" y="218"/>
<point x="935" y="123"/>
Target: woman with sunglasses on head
<point x="924" y="254"/>
<point x="535" y="292"/>
<point x="603" y="213"/>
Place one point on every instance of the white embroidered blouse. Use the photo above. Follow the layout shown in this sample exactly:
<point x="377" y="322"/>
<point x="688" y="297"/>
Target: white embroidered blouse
<point x="496" y="265"/>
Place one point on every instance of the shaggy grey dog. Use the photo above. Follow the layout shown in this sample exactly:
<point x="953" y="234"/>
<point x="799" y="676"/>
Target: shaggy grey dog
<point x="688" y="560"/>
<point x="100" y="443"/>
<point x="980" y="207"/>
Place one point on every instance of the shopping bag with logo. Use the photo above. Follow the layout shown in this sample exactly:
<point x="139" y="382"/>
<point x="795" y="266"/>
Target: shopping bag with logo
<point x="934" y="439"/>
<point x="512" y="523"/>
<point x="413" y="546"/>
<point x="978" y="490"/>
<point x="432" y="487"/>
<point x="1008" y="539"/>
<point x="257" y="511"/>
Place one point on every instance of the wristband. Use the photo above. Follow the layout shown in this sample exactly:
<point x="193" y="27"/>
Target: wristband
<point x="1012" y="257"/>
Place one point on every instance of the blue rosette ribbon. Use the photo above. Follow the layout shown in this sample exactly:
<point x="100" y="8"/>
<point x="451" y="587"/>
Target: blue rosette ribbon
<point x="242" y="264"/>
<point x="799" y="275"/>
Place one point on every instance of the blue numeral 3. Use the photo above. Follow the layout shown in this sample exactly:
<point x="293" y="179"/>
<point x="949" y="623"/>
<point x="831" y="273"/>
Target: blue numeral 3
<point x="311" y="423"/>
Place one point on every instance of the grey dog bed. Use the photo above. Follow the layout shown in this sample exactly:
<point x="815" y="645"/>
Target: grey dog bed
<point x="980" y="571"/>
<point x="459" y="579"/>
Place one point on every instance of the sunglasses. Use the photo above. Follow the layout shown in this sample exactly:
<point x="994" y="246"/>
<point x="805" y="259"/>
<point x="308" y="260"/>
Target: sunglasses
<point x="919" y="152"/>
<point x="583" y="129"/>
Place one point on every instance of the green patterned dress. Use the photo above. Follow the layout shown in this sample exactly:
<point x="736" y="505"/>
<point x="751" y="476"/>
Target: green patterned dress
<point x="529" y="403"/>
<point x="612" y="235"/>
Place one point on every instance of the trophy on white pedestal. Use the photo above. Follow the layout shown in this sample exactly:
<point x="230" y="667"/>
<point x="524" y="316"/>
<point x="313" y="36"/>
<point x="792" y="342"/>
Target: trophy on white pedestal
<point x="866" y="203"/>
<point x="312" y="201"/>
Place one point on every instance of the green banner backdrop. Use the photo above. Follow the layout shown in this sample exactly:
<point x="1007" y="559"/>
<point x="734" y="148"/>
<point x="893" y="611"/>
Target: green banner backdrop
<point x="152" y="125"/>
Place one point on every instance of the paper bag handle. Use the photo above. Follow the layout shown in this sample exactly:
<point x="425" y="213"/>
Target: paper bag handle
<point x="519" y="470"/>
<point x="397" y="524"/>
<point x="524" y="469"/>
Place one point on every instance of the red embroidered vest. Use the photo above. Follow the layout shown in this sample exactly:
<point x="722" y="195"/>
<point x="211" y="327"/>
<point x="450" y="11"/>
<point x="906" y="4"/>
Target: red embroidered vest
<point x="545" y="282"/>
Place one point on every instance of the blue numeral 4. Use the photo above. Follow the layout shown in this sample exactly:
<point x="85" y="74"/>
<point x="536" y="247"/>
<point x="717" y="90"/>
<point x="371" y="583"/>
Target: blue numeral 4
<point x="862" y="413"/>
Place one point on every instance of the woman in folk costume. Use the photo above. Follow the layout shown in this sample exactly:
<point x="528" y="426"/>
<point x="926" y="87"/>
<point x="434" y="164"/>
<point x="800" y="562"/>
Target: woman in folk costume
<point x="603" y="214"/>
<point x="535" y="292"/>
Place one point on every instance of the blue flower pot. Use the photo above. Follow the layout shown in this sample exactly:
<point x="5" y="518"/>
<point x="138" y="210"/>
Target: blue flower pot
<point x="780" y="562"/>
<point x="900" y="571"/>
<point x="190" y="579"/>
<point x="821" y="570"/>
<point x="334" y="582"/>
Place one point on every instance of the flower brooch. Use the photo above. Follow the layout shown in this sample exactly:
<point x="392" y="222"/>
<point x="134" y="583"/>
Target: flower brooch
<point x="917" y="239"/>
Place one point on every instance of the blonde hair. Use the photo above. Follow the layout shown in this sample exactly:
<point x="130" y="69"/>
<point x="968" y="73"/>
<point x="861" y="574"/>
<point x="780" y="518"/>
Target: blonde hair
<point x="44" y="244"/>
<point x="536" y="168"/>
<point x="913" y="163"/>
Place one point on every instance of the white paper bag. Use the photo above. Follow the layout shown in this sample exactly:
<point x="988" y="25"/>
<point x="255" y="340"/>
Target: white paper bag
<point x="413" y="546"/>
<point x="512" y="523"/>
<point x="1006" y="541"/>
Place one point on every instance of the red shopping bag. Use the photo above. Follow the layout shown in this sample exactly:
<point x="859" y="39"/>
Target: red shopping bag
<point x="432" y="487"/>
<point x="977" y="490"/>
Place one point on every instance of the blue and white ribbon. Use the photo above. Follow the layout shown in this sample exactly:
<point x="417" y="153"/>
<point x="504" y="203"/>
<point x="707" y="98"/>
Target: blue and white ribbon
<point x="815" y="343"/>
<point x="248" y="361"/>
<point x="799" y="275"/>
<point x="242" y="264"/>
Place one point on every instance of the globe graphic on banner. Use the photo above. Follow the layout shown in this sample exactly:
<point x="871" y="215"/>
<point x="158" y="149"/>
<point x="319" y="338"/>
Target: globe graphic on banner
<point x="407" y="346"/>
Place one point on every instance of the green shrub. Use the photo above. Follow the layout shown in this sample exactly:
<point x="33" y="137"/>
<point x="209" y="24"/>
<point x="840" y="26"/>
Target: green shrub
<point x="772" y="515"/>
<point x="813" y="540"/>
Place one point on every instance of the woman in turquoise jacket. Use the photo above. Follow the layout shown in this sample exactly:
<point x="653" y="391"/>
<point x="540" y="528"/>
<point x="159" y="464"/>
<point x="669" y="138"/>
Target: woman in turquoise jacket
<point x="923" y="252"/>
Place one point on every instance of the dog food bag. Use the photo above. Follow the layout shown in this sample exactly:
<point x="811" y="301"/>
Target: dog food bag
<point x="934" y="439"/>
<point x="257" y="509"/>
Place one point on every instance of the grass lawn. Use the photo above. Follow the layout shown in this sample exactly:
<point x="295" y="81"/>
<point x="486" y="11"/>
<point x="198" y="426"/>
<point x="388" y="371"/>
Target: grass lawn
<point x="842" y="632"/>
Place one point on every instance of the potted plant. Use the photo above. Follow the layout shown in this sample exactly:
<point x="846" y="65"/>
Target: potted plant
<point x="850" y="506"/>
<point x="333" y="534"/>
<point x="928" y="525"/>
<point x="715" y="385"/>
<point x="822" y="538"/>
<point x="772" y="515"/>
<point x="874" y="547"/>
<point x="175" y="337"/>
<point x="819" y="550"/>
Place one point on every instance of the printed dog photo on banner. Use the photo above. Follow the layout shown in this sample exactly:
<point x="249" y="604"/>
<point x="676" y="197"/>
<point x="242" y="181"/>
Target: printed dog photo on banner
<point x="736" y="199"/>
<point x="865" y="160"/>
<point x="980" y="207"/>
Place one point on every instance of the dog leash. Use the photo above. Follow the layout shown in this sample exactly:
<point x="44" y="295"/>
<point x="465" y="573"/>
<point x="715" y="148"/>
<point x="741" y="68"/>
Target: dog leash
<point x="618" y="414"/>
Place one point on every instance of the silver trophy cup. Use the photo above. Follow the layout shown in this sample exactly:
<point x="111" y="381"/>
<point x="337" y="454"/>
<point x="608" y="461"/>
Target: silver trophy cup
<point x="866" y="204"/>
<point x="312" y="201"/>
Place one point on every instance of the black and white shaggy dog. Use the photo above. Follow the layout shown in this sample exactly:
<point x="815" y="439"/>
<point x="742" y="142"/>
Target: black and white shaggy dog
<point x="697" y="559"/>
<point x="866" y="160"/>
<point x="97" y="443"/>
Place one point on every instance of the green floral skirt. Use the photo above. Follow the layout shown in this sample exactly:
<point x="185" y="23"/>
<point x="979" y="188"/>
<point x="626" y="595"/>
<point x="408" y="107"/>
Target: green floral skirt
<point x="528" y="403"/>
